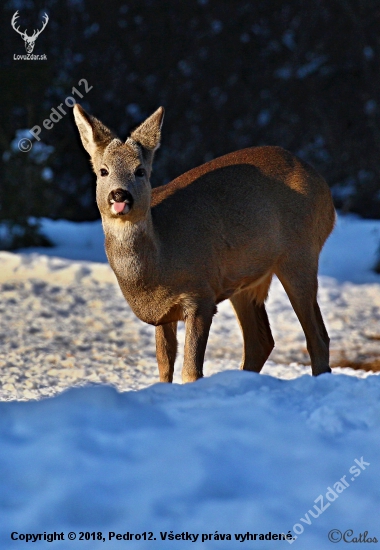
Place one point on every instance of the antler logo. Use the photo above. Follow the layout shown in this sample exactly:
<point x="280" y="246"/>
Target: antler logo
<point x="29" y="40"/>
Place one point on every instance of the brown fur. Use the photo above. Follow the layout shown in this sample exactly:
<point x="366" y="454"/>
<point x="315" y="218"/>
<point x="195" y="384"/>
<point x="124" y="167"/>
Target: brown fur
<point x="218" y="231"/>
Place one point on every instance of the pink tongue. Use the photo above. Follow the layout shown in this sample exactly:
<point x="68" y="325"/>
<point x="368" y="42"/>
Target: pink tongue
<point x="118" y="206"/>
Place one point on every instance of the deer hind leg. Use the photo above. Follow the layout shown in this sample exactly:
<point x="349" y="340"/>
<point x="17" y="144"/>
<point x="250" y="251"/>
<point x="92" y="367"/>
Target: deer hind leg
<point x="166" y="350"/>
<point x="299" y="279"/>
<point x="253" y="320"/>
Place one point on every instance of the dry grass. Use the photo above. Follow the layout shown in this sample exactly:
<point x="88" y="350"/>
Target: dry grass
<point x="368" y="364"/>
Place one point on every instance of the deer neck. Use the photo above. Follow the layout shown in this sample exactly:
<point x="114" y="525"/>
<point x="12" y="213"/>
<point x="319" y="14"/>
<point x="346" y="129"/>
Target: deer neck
<point x="132" y="250"/>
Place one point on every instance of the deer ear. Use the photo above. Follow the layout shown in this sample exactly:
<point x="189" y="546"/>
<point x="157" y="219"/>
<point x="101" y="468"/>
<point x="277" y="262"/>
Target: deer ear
<point x="148" y="134"/>
<point x="93" y="133"/>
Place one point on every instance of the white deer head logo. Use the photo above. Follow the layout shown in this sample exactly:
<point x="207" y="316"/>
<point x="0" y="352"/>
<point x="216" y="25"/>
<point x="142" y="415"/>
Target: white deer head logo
<point x="29" y="40"/>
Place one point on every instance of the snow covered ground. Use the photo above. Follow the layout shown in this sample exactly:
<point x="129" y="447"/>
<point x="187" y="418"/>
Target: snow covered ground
<point x="234" y="453"/>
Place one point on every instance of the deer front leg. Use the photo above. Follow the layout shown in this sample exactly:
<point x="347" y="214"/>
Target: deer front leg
<point x="166" y="350"/>
<point x="198" y="325"/>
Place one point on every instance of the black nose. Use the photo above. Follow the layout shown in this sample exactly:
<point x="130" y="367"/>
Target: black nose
<point x="120" y="195"/>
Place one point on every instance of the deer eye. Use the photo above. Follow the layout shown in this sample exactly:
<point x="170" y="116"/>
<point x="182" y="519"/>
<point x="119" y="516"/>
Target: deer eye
<point x="140" y="173"/>
<point x="103" y="172"/>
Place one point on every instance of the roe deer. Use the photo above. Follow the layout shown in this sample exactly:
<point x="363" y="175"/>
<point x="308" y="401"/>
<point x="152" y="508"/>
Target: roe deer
<point x="218" y="231"/>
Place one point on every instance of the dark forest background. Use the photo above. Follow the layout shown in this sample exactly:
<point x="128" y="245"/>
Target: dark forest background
<point x="303" y="74"/>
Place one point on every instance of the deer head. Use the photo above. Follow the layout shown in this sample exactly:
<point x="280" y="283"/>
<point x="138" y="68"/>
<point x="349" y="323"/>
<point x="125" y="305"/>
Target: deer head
<point x="29" y="40"/>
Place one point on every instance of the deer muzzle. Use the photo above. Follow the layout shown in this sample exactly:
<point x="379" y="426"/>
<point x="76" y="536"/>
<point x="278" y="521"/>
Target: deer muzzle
<point x="121" y="201"/>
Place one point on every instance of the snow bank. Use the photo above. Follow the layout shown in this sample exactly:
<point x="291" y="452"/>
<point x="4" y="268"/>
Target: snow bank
<point x="351" y="251"/>
<point x="62" y="271"/>
<point x="74" y="241"/>
<point x="233" y="453"/>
